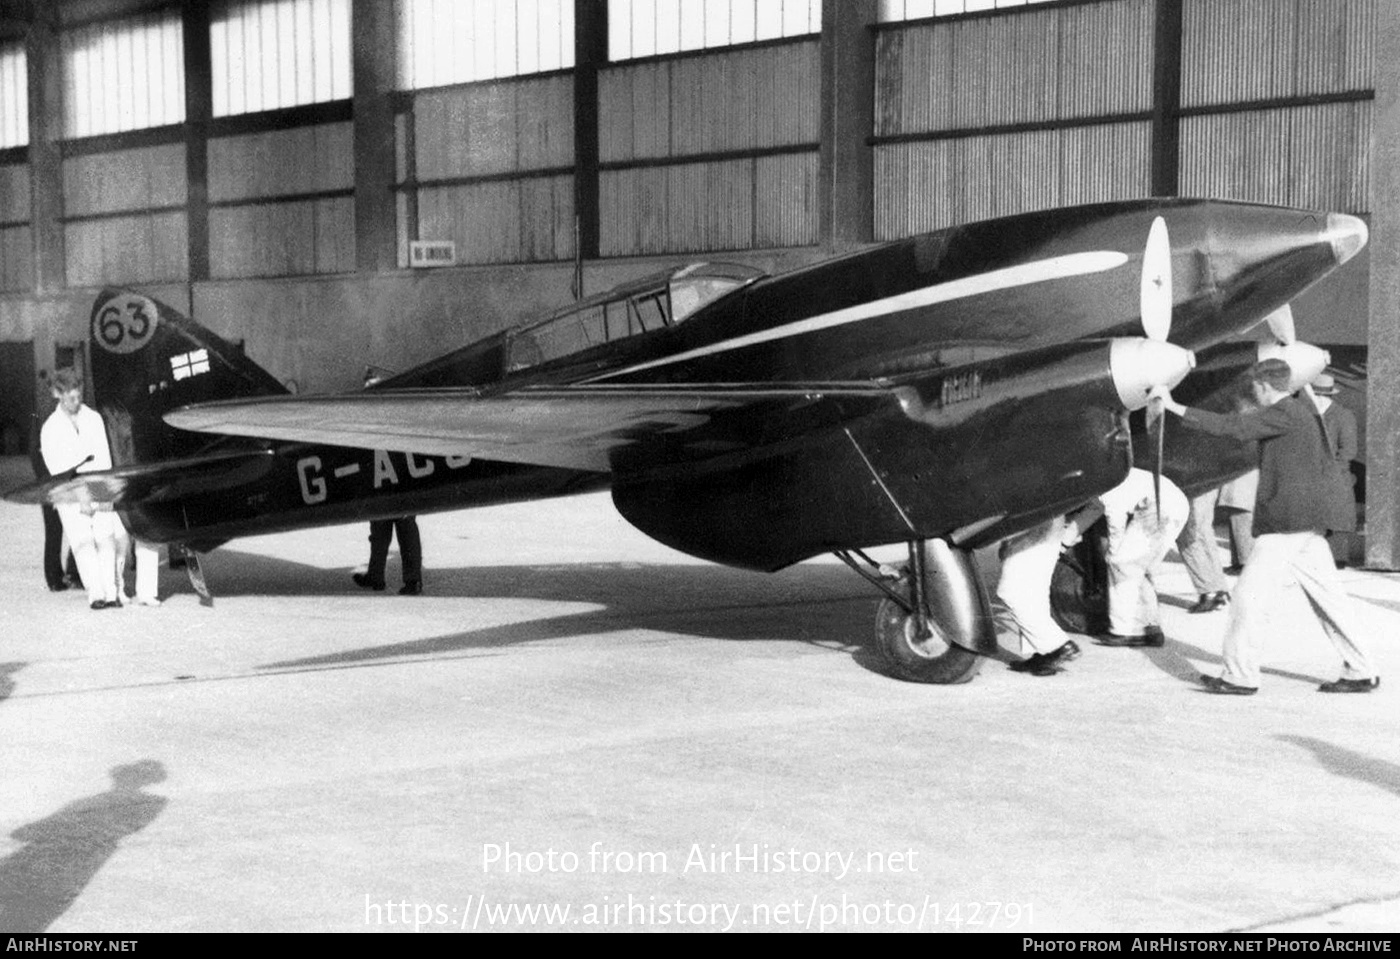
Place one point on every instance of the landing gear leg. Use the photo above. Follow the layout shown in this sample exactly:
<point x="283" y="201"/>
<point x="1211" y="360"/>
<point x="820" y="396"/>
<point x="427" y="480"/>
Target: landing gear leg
<point x="196" y="574"/>
<point x="927" y="622"/>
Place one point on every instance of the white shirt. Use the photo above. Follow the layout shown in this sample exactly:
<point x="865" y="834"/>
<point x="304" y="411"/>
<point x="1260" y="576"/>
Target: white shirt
<point x="66" y="441"/>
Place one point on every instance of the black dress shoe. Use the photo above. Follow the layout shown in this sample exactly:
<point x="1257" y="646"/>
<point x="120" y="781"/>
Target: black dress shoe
<point x="1149" y="639"/>
<point x="103" y="604"/>
<point x="1210" y="602"/>
<point x="363" y="581"/>
<point x="414" y="588"/>
<point x="58" y="587"/>
<point x="1350" y="685"/>
<point x="1047" y="664"/>
<point x="1216" y="684"/>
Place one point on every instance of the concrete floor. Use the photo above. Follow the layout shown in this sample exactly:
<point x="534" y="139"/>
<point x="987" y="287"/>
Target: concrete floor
<point x="574" y="717"/>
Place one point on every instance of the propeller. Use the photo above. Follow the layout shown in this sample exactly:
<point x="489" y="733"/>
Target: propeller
<point x="1155" y="299"/>
<point x="1143" y="366"/>
<point x="1305" y="360"/>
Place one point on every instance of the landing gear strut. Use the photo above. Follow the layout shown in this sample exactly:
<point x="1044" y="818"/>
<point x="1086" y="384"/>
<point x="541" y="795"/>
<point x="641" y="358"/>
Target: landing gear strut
<point x="935" y="616"/>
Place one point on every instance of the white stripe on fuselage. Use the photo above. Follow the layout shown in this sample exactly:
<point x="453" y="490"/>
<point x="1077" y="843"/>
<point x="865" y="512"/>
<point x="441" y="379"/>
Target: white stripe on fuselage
<point x="1055" y="268"/>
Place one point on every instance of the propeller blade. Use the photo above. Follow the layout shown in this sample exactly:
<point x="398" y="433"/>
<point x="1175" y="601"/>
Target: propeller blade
<point x="1156" y="291"/>
<point x="1157" y="431"/>
<point x="1281" y="324"/>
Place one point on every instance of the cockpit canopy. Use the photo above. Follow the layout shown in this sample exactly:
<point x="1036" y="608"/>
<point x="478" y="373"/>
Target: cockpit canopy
<point x="642" y="306"/>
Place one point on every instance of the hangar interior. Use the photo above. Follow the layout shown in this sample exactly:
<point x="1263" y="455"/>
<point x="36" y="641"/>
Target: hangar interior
<point x="269" y="165"/>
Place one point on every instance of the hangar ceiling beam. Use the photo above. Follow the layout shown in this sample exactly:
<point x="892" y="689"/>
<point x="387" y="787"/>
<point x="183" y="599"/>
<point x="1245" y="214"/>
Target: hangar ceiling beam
<point x="199" y="110"/>
<point x="845" y="189"/>
<point x="376" y="230"/>
<point x="45" y="158"/>
<point x="590" y="53"/>
<point x="1383" y="334"/>
<point x="1166" y="99"/>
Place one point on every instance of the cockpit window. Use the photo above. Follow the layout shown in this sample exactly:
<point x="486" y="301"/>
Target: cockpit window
<point x="641" y="307"/>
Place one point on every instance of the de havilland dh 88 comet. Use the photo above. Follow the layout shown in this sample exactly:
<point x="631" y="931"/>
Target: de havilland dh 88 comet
<point x="942" y="391"/>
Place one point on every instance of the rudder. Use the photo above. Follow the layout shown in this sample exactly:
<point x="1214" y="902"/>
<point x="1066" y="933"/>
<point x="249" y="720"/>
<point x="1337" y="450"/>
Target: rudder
<point x="148" y="359"/>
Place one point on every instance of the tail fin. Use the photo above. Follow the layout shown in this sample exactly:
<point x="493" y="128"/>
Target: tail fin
<point x="148" y="359"/>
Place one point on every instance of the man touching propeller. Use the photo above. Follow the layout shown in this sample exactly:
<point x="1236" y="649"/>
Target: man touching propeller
<point x="1292" y="515"/>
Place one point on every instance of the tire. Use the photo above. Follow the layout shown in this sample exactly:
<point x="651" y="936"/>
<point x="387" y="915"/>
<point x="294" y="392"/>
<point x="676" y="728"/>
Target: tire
<point x="929" y="660"/>
<point x="1079" y="589"/>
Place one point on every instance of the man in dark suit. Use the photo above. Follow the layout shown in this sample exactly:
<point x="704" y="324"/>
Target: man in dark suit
<point x="1292" y="514"/>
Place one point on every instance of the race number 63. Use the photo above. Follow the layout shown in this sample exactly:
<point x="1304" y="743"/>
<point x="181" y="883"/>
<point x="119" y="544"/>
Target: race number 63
<point x="124" y="323"/>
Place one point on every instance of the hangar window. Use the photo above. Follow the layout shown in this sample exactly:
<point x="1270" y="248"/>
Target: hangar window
<point x="273" y="54"/>
<point x="14" y="96"/>
<point x="645" y="28"/>
<point x="126" y="74"/>
<point x="443" y="42"/>
<point x="891" y="10"/>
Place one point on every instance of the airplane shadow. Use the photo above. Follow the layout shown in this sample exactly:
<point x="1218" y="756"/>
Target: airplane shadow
<point x="1340" y="761"/>
<point x="62" y="853"/>
<point x="7" y="685"/>
<point x="816" y="605"/>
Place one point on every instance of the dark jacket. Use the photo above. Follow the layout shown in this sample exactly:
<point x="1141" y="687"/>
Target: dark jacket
<point x="1341" y="431"/>
<point x="1298" y="476"/>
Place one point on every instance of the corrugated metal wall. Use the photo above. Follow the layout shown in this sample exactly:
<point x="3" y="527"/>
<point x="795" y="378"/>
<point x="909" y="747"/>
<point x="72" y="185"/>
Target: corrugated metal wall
<point x="496" y="130"/>
<point x="504" y="127"/>
<point x="124" y="75"/>
<point x="293" y="232"/>
<point x="959" y="78"/>
<point x="748" y="100"/>
<point x="16" y="255"/>
<point x="1311" y="155"/>
<point x="927" y="185"/>
<point x="114" y="234"/>
<point x="1240" y="50"/>
<point x="272" y="54"/>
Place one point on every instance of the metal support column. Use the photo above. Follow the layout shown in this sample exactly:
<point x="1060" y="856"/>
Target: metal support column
<point x="1383" y="336"/>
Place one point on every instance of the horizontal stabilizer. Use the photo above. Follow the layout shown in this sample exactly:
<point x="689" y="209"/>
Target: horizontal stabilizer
<point x="577" y="427"/>
<point x="149" y="483"/>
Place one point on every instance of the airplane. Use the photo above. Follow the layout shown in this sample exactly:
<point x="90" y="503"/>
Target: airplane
<point x="942" y="391"/>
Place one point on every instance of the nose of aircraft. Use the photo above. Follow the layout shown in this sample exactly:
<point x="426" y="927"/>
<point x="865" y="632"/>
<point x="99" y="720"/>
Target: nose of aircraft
<point x="1347" y="234"/>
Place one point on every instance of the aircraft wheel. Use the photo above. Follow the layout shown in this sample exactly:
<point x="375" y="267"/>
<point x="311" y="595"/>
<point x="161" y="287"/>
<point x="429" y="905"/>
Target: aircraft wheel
<point x="1079" y="589"/>
<point x="926" y="659"/>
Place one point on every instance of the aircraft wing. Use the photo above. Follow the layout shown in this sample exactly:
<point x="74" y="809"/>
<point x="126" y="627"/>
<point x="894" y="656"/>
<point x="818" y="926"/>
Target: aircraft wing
<point x="577" y="427"/>
<point x="151" y="482"/>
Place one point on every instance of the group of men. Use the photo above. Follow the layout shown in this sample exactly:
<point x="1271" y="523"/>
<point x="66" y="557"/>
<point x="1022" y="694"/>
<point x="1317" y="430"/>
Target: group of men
<point x="74" y="440"/>
<point x="1303" y="495"/>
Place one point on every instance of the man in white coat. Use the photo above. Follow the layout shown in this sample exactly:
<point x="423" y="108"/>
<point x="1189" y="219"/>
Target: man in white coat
<point x="74" y="438"/>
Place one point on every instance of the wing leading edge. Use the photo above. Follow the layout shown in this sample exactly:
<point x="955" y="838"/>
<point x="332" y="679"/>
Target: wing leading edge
<point x="582" y="427"/>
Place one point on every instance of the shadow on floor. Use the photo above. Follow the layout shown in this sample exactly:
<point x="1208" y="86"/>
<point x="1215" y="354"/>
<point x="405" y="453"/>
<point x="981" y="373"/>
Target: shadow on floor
<point x="7" y="685"/>
<point x="1340" y="761"/>
<point x="62" y="853"/>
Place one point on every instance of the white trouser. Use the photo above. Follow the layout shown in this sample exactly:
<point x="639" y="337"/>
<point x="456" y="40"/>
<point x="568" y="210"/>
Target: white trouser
<point x="1277" y="560"/>
<point x="147" y="569"/>
<point x="1132" y="596"/>
<point x="1023" y="591"/>
<point x="93" y="539"/>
